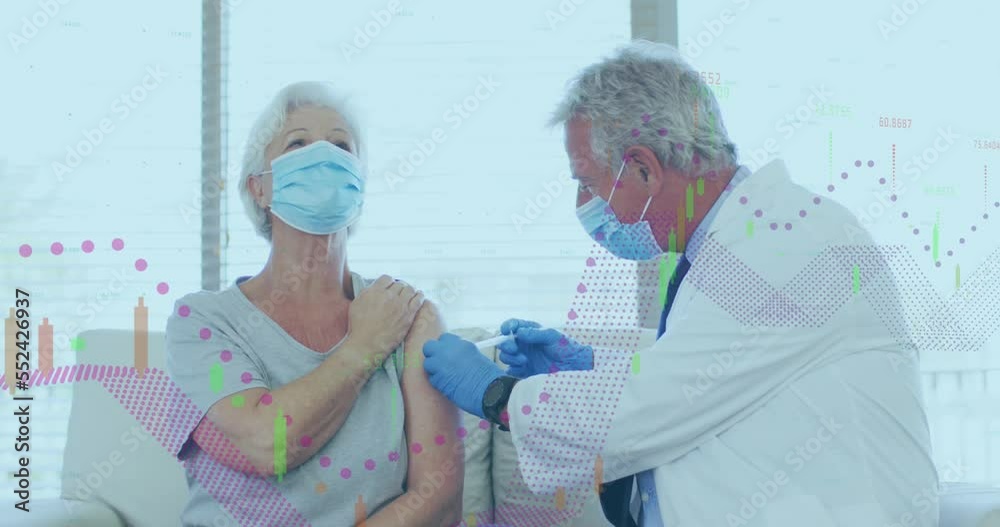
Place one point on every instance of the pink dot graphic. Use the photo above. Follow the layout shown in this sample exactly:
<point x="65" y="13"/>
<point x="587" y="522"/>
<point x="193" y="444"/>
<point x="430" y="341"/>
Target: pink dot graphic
<point x="345" y="473"/>
<point x="461" y="432"/>
<point x="57" y="248"/>
<point x="439" y="440"/>
<point x="394" y="456"/>
<point x="117" y="244"/>
<point x="324" y="461"/>
<point x="25" y="250"/>
<point x="162" y="288"/>
<point x="226" y="355"/>
<point x="484" y="424"/>
<point x="184" y="311"/>
<point x="205" y="333"/>
<point x="246" y="377"/>
<point x="526" y="409"/>
<point x="141" y="265"/>
<point x="306" y="441"/>
<point x="288" y="420"/>
<point x="266" y="399"/>
<point x="417" y="448"/>
<point x="87" y="246"/>
<point x="370" y="464"/>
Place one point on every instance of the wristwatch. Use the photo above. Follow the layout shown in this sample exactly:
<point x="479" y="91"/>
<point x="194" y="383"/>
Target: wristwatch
<point x="495" y="399"/>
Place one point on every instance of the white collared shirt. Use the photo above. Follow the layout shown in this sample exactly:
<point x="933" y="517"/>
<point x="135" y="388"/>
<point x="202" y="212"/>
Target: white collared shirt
<point x="776" y="397"/>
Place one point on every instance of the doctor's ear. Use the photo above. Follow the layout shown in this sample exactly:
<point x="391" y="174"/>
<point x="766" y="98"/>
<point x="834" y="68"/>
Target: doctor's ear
<point x="647" y="166"/>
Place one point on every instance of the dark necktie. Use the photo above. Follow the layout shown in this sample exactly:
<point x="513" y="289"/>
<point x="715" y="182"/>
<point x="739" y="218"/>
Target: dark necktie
<point x="617" y="495"/>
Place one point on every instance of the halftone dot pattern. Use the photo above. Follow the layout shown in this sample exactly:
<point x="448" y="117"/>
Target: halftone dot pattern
<point x="167" y="414"/>
<point x="606" y="302"/>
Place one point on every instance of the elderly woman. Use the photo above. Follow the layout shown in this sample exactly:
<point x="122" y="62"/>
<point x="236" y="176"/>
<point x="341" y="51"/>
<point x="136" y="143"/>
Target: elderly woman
<point x="298" y="372"/>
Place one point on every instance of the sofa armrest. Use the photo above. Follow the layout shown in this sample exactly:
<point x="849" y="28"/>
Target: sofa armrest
<point x="69" y="513"/>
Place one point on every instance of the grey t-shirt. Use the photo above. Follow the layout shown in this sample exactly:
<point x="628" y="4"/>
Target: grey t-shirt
<point x="218" y="344"/>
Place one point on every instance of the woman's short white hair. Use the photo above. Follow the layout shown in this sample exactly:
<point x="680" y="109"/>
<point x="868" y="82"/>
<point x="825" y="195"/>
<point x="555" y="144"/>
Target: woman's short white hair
<point x="271" y="121"/>
<point x="646" y="94"/>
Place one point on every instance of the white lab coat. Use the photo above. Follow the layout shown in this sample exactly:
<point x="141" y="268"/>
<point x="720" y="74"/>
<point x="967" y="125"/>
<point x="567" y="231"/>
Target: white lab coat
<point x="778" y="395"/>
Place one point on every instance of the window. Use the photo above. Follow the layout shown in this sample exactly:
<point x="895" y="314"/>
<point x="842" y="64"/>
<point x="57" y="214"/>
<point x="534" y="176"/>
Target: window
<point x="870" y="100"/>
<point x="102" y="143"/>
<point x="453" y="226"/>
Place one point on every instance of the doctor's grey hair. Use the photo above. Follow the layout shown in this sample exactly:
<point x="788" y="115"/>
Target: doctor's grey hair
<point x="647" y="87"/>
<point x="271" y="121"/>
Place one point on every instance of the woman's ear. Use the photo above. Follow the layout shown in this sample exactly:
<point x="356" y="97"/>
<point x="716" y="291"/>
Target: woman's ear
<point x="256" y="185"/>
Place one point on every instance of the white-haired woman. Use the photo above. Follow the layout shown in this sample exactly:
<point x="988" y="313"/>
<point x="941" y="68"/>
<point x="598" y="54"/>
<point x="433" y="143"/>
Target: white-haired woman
<point x="299" y="370"/>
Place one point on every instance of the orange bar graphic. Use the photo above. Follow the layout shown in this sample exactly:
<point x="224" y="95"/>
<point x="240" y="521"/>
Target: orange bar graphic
<point x="359" y="512"/>
<point x="560" y="498"/>
<point x="10" y="348"/>
<point x="598" y="474"/>
<point x="141" y="331"/>
<point x="45" y="347"/>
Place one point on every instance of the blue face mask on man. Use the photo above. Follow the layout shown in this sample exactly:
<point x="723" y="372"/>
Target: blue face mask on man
<point x="318" y="189"/>
<point x="631" y="241"/>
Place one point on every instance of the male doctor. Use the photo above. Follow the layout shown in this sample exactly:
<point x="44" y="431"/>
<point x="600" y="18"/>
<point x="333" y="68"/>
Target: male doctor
<point x="782" y="390"/>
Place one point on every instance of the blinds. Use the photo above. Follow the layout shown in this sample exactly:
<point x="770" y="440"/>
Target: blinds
<point x="101" y="142"/>
<point x="446" y="227"/>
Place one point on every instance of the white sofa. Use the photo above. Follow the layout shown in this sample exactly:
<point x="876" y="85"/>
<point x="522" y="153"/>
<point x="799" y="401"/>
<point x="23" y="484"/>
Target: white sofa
<point x="115" y="474"/>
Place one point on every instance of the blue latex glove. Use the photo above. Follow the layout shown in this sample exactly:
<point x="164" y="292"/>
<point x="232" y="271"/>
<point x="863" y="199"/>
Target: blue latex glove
<point x="457" y="369"/>
<point x="534" y="351"/>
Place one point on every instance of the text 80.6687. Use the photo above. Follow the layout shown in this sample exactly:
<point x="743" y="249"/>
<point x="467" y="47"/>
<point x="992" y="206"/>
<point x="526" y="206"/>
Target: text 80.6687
<point x="894" y="122"/>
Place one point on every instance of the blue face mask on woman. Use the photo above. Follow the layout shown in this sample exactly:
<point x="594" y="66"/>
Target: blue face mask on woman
<point x="631" y="241"/>
<point x="318" y="189"/>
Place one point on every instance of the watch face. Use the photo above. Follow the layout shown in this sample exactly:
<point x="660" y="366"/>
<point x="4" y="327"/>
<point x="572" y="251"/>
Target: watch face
<point x="493" y="392"/>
